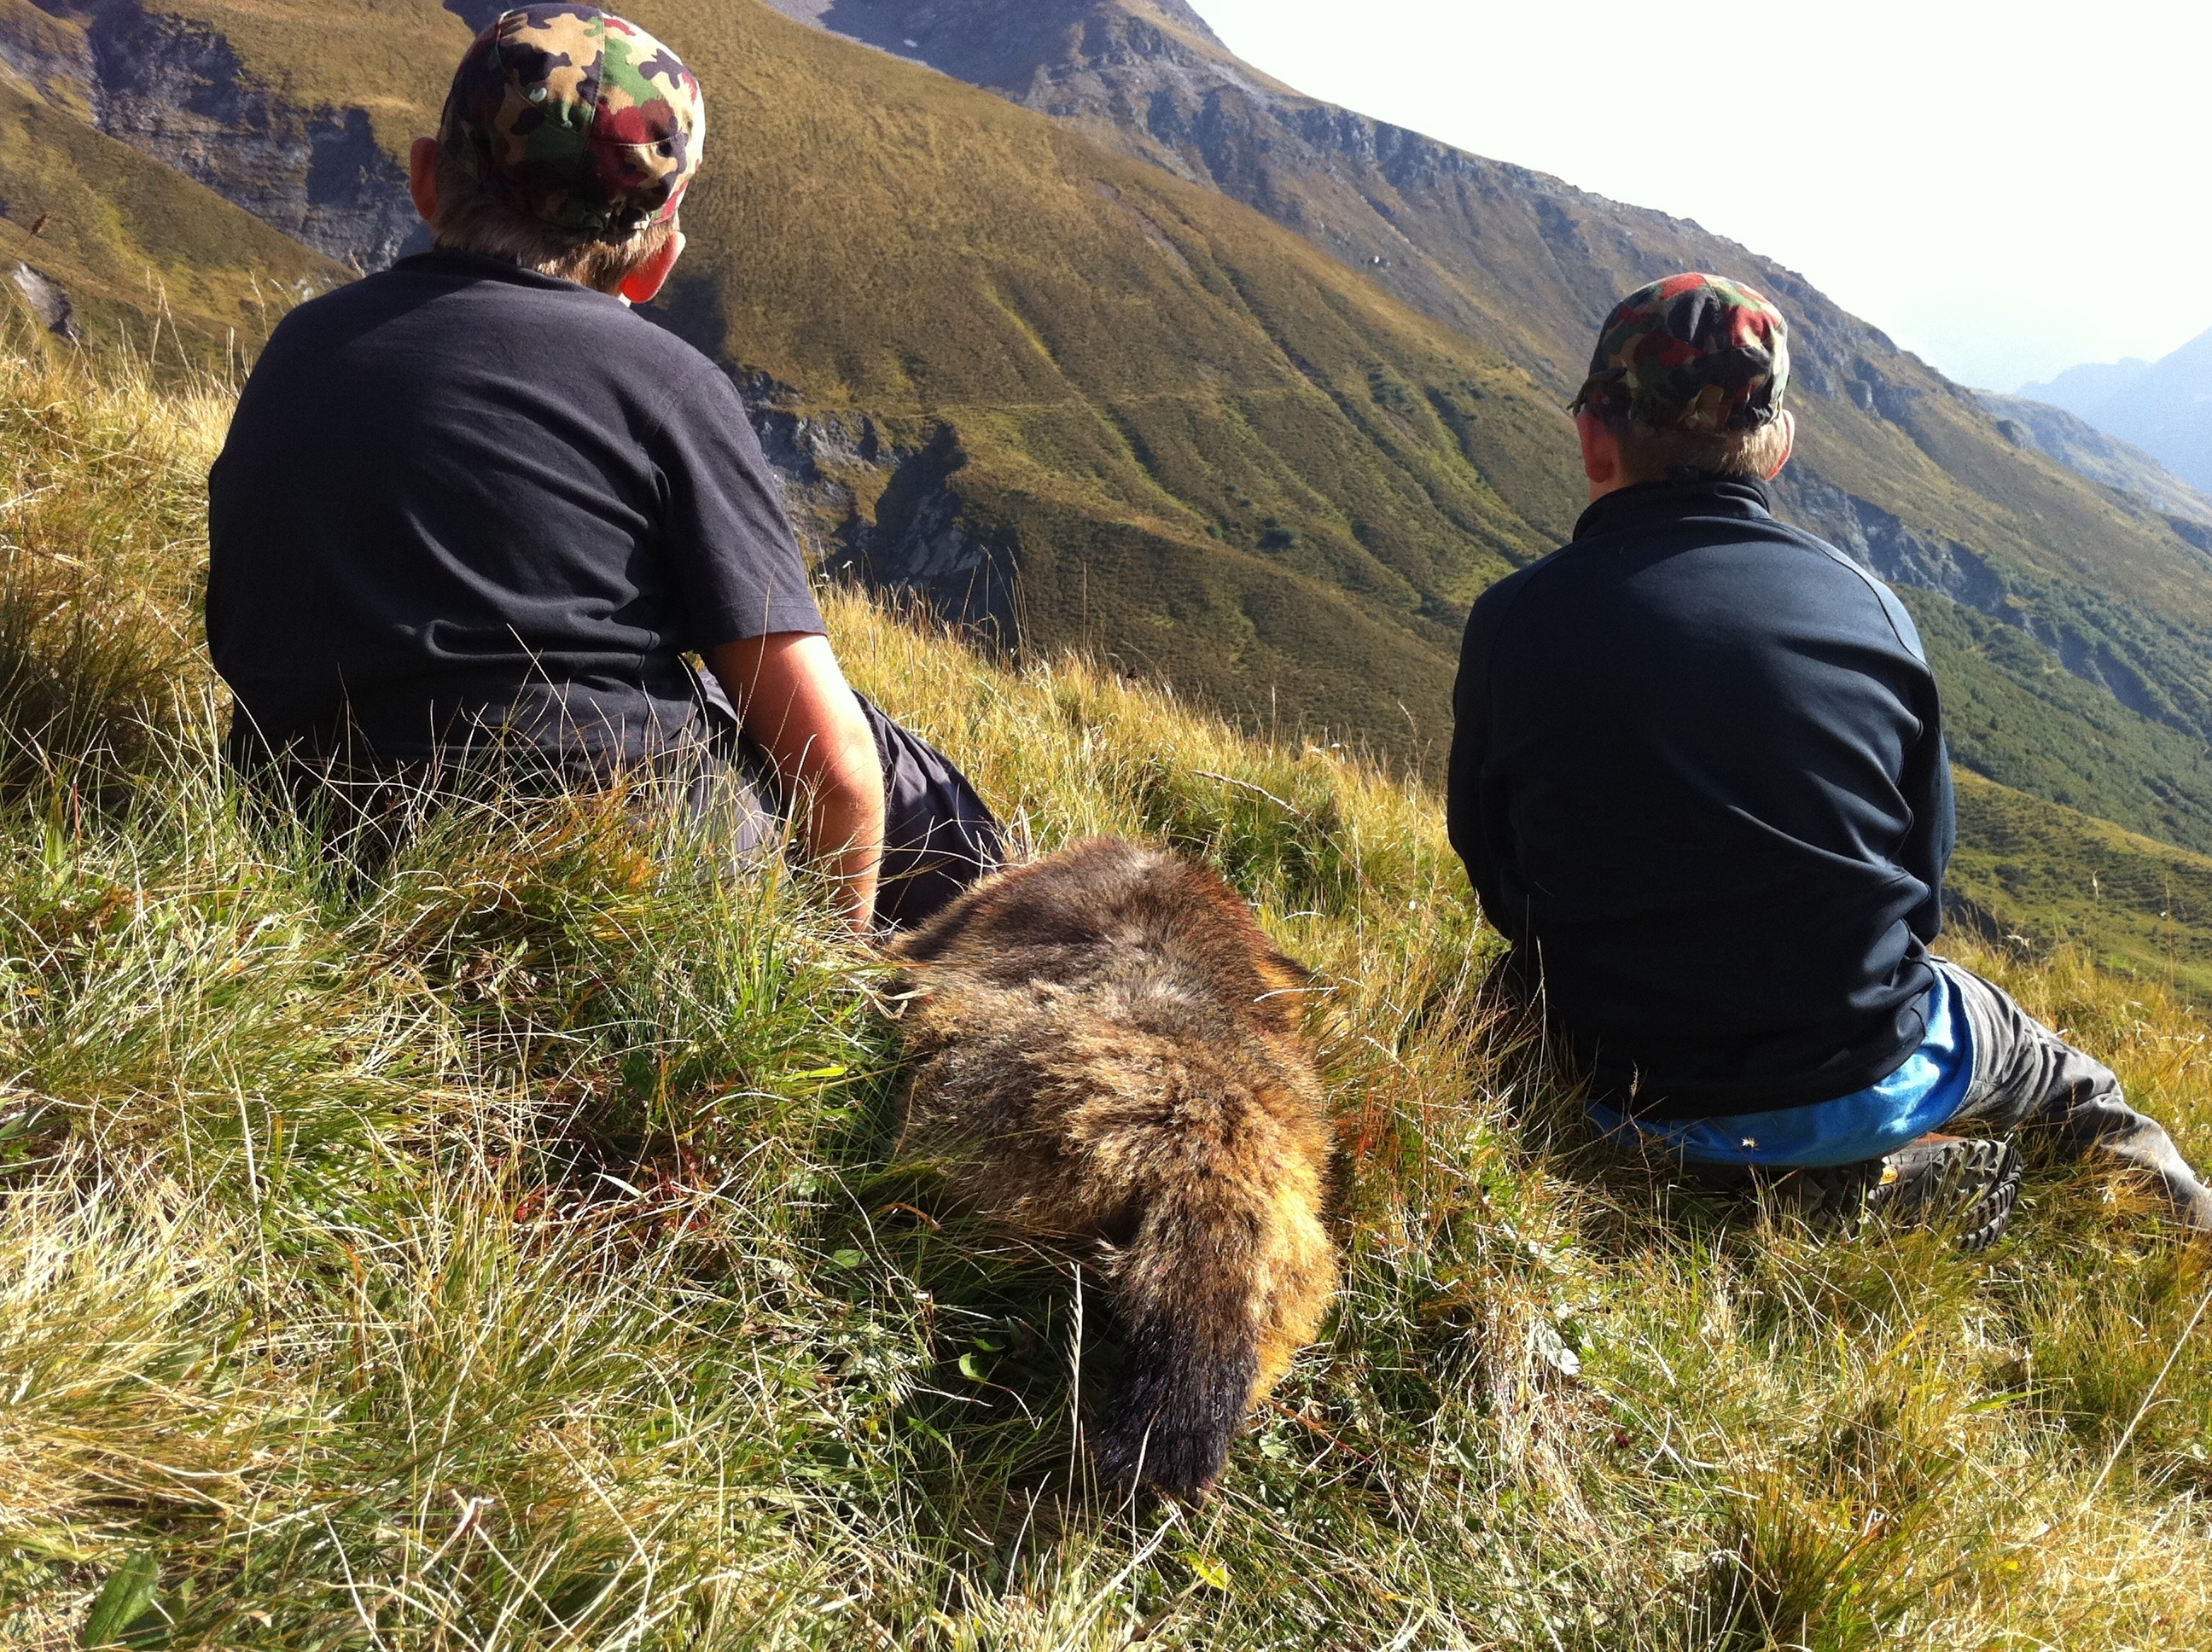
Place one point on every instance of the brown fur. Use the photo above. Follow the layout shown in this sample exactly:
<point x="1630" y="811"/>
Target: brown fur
<point x="1108" y="1050"/>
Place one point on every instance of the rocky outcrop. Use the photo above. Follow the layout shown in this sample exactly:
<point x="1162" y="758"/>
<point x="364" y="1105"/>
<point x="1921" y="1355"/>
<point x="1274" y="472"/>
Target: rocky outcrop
<point x="2192" y="531"/>
<point x="176" y="91"/>
<point x="886" y="516"/>
<point x="920" y="548"/>
<point x="1884" y="542"/>
<point x="49" y="55"/>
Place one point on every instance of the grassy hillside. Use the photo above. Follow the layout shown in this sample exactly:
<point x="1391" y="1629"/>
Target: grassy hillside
<point x="130" y="243"/>
<point x="1520" y="261"/>
<point x="2050" y="875"/>
<point x="503" y="1252"/>
<point x="1908" y="469"/>
<point x="1169" y="406"/>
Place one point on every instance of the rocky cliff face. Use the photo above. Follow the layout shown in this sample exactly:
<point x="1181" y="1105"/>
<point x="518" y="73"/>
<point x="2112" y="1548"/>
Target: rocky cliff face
<point x="1906" y="557"/>
<point x="46" y="300"/>
<point x="867" y="506"/>
<point x="177" y="92"/>
<point x="886" y="516"/>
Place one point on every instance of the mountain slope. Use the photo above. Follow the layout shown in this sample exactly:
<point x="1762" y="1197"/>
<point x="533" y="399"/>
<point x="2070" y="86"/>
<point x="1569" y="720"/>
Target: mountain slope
<point x="308" y="140"/>
<point x="98" y="239"/>
<point x="1058" y="390"/>
<point x="2163" y="407"/>
<point x="982" y="349"/>
<point x="2080" y="445"/>
<point x="1896" y="463"/>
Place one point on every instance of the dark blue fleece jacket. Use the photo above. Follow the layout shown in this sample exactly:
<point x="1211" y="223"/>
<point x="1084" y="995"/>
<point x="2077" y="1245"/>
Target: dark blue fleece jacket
<point x="1698" y="780"/>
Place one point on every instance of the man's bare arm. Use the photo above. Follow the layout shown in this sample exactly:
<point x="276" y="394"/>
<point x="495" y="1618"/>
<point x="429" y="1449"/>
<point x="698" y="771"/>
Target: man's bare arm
<point x="798" y="708"/>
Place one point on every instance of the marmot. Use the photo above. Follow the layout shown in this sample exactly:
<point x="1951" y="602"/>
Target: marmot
<point x="1108" y="1050"/>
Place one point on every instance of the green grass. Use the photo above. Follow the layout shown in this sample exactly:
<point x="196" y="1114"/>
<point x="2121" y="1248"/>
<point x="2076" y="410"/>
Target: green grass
<point x="2053" y="876"/>
<point x="503" y="1251"/>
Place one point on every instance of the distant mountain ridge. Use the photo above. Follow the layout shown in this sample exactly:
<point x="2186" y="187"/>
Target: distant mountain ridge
<point x="2080" y="445"/>
<point x="2163" y="407"/>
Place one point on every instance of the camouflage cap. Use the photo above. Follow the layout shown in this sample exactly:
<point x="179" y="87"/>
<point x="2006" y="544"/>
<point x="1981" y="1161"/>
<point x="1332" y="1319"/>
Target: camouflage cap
<point x="578" y="118"/>
<point x="1695" y="353"/>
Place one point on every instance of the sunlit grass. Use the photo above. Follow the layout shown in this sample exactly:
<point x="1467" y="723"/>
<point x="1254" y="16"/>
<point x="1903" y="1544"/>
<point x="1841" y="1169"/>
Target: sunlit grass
<point x="503" y="1251"/>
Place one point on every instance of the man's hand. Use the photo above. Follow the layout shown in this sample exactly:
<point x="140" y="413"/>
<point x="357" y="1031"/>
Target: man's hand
<point x="798" y="707"/>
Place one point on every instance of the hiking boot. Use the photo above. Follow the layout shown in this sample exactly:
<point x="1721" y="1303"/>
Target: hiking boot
<point x="1972" y="1182"/>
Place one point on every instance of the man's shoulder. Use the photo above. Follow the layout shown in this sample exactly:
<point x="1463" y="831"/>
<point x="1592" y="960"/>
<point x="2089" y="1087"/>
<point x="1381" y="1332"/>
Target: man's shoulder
<point x="581" y="326"/>
<point x="1649" y="547"/>
<point x="1771" y="575"/>
<point x="1855" y="584"/>
<point x="1496" y="598"/>
<point x="1491" y="606"/>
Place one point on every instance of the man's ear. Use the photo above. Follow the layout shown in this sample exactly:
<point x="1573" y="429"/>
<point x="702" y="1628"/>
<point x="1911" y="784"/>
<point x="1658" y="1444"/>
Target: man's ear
<point x="1789" y="444"/>
<point x="643" y="285"/>
<point x="423" y="176"/>
<point x="1602" y="459"/>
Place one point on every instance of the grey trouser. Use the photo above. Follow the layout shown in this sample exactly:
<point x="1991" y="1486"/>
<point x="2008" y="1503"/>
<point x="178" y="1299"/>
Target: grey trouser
<point x="2027" y="1079"/>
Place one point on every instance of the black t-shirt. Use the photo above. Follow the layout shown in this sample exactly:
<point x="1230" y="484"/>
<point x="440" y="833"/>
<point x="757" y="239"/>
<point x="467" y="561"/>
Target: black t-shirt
<point x="459" y="493"/>
<point x="1699" y="782"/>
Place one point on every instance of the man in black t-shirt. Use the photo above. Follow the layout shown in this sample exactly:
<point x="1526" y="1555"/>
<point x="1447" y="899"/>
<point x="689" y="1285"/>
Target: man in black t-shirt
<point x="475" y="501"/>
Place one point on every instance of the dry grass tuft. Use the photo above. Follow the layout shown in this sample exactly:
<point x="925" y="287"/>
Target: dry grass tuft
<point x="499" y="1251"/>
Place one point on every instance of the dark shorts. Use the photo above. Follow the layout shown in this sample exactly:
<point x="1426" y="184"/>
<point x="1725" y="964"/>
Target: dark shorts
<point x="940" y="836"/>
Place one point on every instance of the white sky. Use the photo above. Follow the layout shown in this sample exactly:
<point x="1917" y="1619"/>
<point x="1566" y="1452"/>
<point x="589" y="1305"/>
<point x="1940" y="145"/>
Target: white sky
<point x="2007" y="189"/>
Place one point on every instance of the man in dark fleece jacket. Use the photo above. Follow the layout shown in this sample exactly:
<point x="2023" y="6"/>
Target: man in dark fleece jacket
<point x="1700" y="783"/>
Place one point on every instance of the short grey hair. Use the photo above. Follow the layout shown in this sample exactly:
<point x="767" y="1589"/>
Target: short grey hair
<point x="1649" y="453"/>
